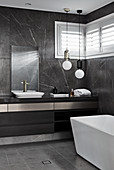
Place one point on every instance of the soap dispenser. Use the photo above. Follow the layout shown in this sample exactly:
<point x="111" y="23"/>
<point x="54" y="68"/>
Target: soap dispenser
<point x="72" y="93"/>
<point x="55" y="90"/>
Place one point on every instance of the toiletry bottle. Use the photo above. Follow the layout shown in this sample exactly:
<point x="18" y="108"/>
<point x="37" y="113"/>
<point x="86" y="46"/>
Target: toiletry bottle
<point x="55" y="90"/>
<point x="72" y="93"/>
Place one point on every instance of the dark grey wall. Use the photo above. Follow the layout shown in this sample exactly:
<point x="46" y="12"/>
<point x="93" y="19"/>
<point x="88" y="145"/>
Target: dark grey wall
<point x="22" y="27"/>
<point x="100" y="80"/>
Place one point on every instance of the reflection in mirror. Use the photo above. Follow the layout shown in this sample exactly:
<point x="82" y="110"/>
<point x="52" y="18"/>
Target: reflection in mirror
<point x="25" y="66"/>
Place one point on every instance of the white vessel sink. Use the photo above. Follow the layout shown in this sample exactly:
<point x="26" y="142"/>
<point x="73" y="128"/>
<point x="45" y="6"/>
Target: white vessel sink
<point x="28" y="94"/>
<point x="59" y="95"/>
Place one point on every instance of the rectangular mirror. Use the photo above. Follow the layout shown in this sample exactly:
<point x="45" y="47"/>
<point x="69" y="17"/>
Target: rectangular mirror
<point x="24" y="66"/>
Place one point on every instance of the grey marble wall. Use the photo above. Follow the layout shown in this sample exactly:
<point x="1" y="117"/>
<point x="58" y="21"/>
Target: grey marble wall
<point x="52" y="74"/>
<point x="100" y="80"/>
<point x="21" y="27"/>
<point x="4" y="51"/>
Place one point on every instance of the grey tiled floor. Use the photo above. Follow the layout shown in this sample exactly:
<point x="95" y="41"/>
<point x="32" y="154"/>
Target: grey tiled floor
<point x="61" y="154"/>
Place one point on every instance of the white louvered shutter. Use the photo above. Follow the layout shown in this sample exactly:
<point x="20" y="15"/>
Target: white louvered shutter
<point x="108" y="38"/>
<point x="92" y="42"/>
<point x="69" y="39"/>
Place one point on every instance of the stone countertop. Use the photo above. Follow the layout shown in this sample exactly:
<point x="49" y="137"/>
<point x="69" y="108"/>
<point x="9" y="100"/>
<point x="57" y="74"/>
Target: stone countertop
<point x="45" y="99"/>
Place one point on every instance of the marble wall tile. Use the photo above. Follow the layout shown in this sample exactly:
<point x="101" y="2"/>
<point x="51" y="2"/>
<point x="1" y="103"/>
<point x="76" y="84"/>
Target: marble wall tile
<point x="52" y="75"/>
<point x="100" y="81"/>
<point x="5" y="76"/>
<point x="4" y="33"/>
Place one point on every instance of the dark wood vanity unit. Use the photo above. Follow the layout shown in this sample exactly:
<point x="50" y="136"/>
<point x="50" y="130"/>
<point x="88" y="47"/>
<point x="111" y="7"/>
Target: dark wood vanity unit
<point x="41" y="116"/>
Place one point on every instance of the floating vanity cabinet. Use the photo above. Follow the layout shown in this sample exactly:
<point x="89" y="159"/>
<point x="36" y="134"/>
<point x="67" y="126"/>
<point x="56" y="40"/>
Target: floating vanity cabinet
<point x="27" y="119"/>
<point x="65" y="110"/>
<point x="40" y="116"/>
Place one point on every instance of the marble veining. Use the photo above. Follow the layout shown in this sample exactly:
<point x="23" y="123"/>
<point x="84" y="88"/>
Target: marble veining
<point x="60" y="64"/>
<point x="100" y="81"/>
<point x="32" y="35"/>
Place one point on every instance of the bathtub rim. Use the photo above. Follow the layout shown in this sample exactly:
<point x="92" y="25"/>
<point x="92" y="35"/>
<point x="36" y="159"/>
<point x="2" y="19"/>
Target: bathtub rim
<point x="92" y="126"/>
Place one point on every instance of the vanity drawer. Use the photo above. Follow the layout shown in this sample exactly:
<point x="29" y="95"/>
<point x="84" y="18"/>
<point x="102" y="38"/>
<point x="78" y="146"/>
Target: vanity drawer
<point x="3" y="107"/>
<point x="75" y="105"/>
<point x="35" y="129"/>
<point x="29" y="107"/>
<point x="26" y="118"/>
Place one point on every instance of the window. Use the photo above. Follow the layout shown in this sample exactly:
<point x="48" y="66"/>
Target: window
<point x="70" y="39"/>
<point x="96" y="38"/>
<point x="100" y="37"/>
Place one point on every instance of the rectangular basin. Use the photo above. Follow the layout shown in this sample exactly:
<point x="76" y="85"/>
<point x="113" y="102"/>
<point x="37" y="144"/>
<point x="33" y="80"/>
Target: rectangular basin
<point x="28" y="94"/>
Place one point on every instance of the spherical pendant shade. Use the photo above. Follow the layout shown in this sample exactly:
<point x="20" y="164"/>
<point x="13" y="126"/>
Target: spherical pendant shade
<point x="79" y="74"/>
<point x="67" y="65"/>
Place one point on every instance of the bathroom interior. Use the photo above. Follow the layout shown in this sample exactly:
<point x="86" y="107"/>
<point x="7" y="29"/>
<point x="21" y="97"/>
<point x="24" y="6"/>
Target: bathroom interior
<point x="36" y="132"/>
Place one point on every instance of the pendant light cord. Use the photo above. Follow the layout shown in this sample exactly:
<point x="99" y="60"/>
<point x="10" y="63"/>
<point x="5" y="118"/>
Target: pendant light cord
<point x="66" y="30"/>
<point x="79" y="36"/>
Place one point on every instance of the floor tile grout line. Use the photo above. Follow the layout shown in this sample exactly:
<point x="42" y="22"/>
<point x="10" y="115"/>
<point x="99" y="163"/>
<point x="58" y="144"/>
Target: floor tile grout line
<point x="63" y="157"/>
<point x="7" y="157"/>
<point x="23" y="160"/>
<point x="51" y="147"/>
<point x="67" y="159"/>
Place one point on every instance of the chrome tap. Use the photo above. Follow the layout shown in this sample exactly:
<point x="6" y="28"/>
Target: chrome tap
<point x="25" y="83"/>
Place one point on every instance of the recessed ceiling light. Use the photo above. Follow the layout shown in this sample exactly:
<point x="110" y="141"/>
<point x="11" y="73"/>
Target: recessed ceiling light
<point x="28" y="3"/>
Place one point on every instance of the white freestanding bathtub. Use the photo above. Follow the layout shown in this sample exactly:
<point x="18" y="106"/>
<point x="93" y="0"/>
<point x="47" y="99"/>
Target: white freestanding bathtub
<point x="94" y="139"/>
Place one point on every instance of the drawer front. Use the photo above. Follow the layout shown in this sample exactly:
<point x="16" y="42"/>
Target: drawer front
<point x="6" y="131"/>
<point x="3" y="107"/>
<point x="26" y="118"/>
<point x="29" y="107"/>
<point x="74" y="105"/>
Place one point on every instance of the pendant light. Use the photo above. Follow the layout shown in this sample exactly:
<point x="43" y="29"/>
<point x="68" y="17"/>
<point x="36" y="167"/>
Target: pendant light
<point x="79" y="73"/>
<point x="66" y="64"/>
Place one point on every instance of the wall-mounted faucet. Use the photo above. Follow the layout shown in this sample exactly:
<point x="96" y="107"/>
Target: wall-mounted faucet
<point x="25" y="83"/>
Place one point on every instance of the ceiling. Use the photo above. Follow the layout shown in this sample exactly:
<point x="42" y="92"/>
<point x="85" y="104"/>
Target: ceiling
<point x="57" y="5"/>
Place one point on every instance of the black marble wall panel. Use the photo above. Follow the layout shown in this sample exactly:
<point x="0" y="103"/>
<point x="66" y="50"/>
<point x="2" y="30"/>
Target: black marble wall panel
<point x="52" y="75"/>
<point x="4" y="51"/>
<point x="4" y="76"/>
<point x="4" y="33"/>
<point x="100" y="80"/>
